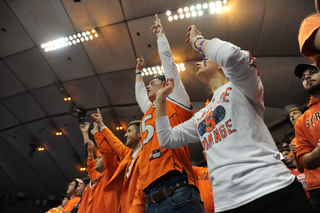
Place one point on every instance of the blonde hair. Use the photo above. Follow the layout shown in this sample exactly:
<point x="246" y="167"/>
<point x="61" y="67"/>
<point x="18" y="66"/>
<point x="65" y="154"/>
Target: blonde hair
<point x="136" y="123"/>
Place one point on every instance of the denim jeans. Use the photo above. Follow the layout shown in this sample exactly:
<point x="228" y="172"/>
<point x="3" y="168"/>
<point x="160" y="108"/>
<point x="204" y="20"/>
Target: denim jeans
<point x="184" y="199"/>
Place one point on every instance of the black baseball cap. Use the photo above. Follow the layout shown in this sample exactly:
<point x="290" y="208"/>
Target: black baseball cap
<point x="300" y="68"/>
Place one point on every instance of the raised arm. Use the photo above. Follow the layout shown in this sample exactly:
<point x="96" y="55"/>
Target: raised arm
<point x="93" y="174"/>
<point x="179" y="93"/>
<point x="109" y="158"/>
<point x="238" y="65"/>
<point x="181" y="134"/>
<point x="140" y="89"/>
<point x="117" y="146"/>
<point x="84" y="128"/>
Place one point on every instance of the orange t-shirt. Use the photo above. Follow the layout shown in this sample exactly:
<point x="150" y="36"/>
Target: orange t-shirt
<point x="86" y="200"/>
<point x="204" y="187"/>
<point x="307" y="28"/>
<point x="71" y="204"/>
<point x="302" y="179"/>
<point x="54" y="210"/>
<point x="155" y="161"/>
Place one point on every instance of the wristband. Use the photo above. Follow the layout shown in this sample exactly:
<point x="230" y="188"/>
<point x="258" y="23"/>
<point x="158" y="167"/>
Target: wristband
<point x="86" y="142"/>
<point x="90" y="156"/>
<point x="195" y="40"/>
<point x="160" y="31"/>
<point x="137" y="73"/>
<point x="200" y="51"/>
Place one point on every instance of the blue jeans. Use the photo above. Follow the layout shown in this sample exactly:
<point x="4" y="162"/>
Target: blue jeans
<point x="184" y="199"/>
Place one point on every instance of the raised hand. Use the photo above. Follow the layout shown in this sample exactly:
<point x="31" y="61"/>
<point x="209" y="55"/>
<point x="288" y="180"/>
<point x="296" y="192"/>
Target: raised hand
<point x="192" y="34"/>
<point x="98" y="118"/>
<point x="95" y="128"/>
<point x="91" y="147"/>
<point x="140" y="64"/>
<point x="166" y="88"/>
<point x="84" y="128"/>
<point x="157" y="24"/>
<point x="293" y="148"/>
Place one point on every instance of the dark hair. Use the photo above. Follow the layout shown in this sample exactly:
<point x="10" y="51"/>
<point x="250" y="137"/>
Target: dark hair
<point x="74" y="180"/>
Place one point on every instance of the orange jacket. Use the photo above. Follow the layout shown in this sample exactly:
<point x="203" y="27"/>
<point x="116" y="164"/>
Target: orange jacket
<point x="307" y="131"/>
<point x="308" y="26"/>
<point x="103" y="201"/>
<point x="204" y="187"/>
<point x="71" y="204"/>
<point x="86" y="200"/>
<point x="119" y="180"/>
<point x="156" y="161"/>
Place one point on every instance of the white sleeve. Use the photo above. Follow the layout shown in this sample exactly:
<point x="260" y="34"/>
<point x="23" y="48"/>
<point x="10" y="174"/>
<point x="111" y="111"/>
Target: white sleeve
<point x="142" y="97"/>
<point x="179" y="136"/>
<point x="170" y="69"/>
<point x="239" y="67"/>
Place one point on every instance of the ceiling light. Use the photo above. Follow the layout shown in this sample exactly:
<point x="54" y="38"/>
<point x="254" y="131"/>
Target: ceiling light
<point x="194" y="14"/>
<point x="183" y="68"/>
<point x="218" y="3"/>
<point x="212" y="10"/>
<point x="186" y="9"/>
<point x="187" y="15"/>
<point x="168" y="13"/>
<point x="205" y="6"/>
<point x="181" y="16"/>
<point x="192" y="8"/>
<point x="200" y="13"/>
<point x="180" y="10"/>
<point x="170" y="18"/>
<point x="69" y="40"/>
<point x="219" y="10"/>
<point x="175" y="17"/>
<point x="211" y="4"/>
<point x="198" y="6"/>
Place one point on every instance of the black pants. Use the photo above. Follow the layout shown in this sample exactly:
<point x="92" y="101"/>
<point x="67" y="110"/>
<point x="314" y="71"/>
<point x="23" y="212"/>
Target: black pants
<point x="291" y="199"/>
<point x="315" y="199"/>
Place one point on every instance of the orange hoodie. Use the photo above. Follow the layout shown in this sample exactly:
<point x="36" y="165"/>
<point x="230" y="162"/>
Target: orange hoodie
<point x="307" y="131"/>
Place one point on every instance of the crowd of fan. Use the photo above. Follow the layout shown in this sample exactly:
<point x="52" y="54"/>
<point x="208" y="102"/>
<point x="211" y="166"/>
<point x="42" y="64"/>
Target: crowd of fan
<point x="152" y="171"/>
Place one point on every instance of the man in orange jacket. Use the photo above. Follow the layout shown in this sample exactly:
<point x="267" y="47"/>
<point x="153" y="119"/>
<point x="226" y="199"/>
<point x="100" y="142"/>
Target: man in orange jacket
<point x="127" y="172"/>
<point x="100" y="172"/>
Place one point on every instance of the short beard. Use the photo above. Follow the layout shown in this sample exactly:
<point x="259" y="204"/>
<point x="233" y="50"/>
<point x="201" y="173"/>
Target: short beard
<point x="313" y="90"/>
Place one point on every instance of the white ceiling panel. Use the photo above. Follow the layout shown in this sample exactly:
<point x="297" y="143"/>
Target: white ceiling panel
<point x="69" y="62"/>
<point x="13" y="37"/>
<point x="24" y="107"/>
<point x="87" y="92"/>
<point x="31" y="68"/>
<point x="112" y="49"/>
<point x="9" y="83"/>
<point x="43" y="20"/>
<point x="86" y="15"/>
<point x="51" y="100"/>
